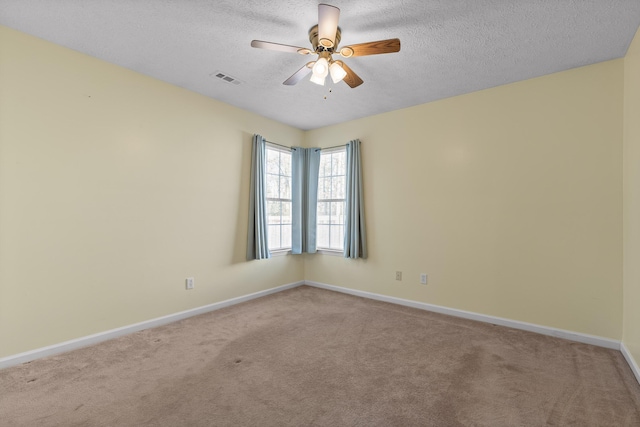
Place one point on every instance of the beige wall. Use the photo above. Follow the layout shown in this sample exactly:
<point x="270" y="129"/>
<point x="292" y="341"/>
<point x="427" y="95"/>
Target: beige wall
<point x="114" y="187"/>
<point x="510" y="199"/>
<point x="631" y="336"/>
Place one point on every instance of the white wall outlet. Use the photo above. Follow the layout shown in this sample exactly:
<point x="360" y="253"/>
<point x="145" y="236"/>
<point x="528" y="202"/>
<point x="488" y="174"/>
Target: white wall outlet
<point x="399" y="276"/>
<point x="423" y="278"/>
<point x="190" y="282"/>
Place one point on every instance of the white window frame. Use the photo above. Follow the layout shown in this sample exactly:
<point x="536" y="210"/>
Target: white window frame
<point x="282" y="250"/>
<point x="322" y="249"/>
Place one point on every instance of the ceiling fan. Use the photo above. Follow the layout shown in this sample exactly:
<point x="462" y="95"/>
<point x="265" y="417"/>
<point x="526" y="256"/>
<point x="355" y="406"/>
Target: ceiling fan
<point x="324" y="39"/>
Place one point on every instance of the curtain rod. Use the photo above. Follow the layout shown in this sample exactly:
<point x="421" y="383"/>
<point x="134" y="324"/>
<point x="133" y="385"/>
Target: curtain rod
<point x="285" y="146"/>
<point x="279" y="145"/>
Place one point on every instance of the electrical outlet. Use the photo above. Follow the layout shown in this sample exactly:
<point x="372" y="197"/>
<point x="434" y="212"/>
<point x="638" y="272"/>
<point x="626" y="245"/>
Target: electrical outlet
<point x="399" y="276"/>
<point x="190" y="282"/>
<point x="423" y="278"/>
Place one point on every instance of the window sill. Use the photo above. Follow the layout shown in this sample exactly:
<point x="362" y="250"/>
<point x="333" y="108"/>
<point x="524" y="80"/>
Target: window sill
<point x="330" y="252"/>
<point x="285" y="252"/>
<point x="280" y="252"/>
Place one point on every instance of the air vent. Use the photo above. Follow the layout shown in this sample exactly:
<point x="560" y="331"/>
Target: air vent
<point x="225" y="77"/>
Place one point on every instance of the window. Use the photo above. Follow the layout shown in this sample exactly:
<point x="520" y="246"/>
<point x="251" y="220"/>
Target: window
<point x="331" y="199"/>
<point x="272" y="222"/>
<point x="278" y="181"/>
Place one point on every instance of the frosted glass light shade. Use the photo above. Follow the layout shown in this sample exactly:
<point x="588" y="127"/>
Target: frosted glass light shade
<point x="317" y="79"/>
<point x="321" y="67"/>
<point x="320" y="70"/>
<point x="337" y="72"/>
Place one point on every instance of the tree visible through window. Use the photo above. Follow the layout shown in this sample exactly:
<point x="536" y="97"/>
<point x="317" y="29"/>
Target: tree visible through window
<point x="331" y="199"/>
<point x="278" y="182"/>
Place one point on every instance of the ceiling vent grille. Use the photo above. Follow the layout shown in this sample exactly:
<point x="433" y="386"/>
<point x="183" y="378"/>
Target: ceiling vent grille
<point x="225" y="77"/>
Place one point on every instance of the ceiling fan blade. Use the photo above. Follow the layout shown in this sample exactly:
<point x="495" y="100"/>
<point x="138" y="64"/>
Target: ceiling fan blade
<point x="280" y="47"/>
<point x="300" y="74"/>
<point x="371" y="48"/>
<point x="352" y="79"/>
<point x="327" y="24"/>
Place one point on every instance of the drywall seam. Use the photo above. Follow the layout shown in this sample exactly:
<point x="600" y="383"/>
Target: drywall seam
<point x="544" y="330"/>
<point x="74" y="344"/>
<point x="630" y="360"/>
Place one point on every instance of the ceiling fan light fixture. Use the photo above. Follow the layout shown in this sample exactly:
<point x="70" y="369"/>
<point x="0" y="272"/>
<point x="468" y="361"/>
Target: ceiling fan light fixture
<point x="321" y="67"/>
<point x="317" y="79"/>
<point x="337" y="72"/>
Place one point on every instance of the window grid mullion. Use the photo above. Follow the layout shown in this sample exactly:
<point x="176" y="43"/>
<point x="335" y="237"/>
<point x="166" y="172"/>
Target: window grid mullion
<point x="331" y="224"/>
<point x="278" y="201"/>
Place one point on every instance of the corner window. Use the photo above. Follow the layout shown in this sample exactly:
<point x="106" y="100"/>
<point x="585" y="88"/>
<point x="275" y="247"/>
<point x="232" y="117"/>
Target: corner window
<point x="331" y="199"/>
<point x="278" y="182"/>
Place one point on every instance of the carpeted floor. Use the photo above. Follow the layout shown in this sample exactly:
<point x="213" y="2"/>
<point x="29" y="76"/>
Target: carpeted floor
<point x="308" y="356"/>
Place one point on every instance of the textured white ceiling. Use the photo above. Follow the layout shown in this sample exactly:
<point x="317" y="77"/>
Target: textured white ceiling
<point x="449" y="47"/>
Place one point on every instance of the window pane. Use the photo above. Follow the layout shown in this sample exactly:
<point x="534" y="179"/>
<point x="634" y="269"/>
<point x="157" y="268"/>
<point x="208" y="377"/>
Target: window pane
<point x="273" y="212"/>
<point x="338" y="163"/>
<point x="274" y="236"/>
<point x="338" y="187"/>
<point x="272" y="186"/>
<point x="323" y="214"/>
<point x="337" y="237"/>
<point x="286" y="212"/>
<point x="322" y="236"/>
<point x="340" y="207"/>
<point x="325" y="165"/>
<point x="285" y="187"/>
<point x="336" y="212"/>
<point x="324" y="188"/>
<point x="285" y="164"/>
<point x="273" y="161"/>
<point x="286" y="236"/>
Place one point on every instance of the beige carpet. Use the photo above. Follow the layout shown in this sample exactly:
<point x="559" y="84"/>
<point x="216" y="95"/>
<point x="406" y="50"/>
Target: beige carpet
<point x="308" y="356"/>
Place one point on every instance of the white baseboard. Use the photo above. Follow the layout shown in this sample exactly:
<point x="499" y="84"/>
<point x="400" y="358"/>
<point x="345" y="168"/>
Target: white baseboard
<point x="630" y="360"/>
<point x="544" y="330"/>
<point x="65" y="346"/>
<point x="118" y="332"/>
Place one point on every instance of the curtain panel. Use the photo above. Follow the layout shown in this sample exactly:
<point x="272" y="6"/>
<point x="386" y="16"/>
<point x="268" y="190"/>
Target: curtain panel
<point x="257" y="235"/>
<point x="304" y="170"/>
<point x="355" y="236"/>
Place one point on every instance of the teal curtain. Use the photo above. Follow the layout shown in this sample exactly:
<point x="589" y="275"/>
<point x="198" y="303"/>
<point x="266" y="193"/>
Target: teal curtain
<point x="355" y="236"/>
<point x="257" y="237"/>
<point x="305" y="168"/>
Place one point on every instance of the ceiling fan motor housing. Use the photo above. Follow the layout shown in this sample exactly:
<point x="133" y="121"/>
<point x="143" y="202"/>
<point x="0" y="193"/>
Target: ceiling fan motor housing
<point x="317" y="47"/>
